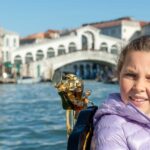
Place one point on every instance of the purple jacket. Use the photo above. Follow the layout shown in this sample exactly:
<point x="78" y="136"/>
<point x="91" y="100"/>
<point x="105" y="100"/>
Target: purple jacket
<point x="120" y="127"/>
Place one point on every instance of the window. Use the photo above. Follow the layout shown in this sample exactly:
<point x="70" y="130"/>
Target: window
<point x="18" y="60"/>
<point x="39" y="55"/>
<point x="104" y="47"/>
<point x="28" y="58"/>
<point x="7" y="56"/>
<point x="7" y="42"/>
<point x="84" y="43"/>
<point x="114" y="49"/>
<point x="15" y="42"/>
<point x="72" y="47"/>
<point x="113" y="32"/>
<point x="3" y="55"/>
<point x="61" y="50"/>
<point x="50" y="53"/>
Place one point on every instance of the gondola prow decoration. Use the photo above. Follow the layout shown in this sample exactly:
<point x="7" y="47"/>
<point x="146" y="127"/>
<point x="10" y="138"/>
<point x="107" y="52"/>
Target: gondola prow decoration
<point x="74" y="99"/>
<point x="79" y="114"/>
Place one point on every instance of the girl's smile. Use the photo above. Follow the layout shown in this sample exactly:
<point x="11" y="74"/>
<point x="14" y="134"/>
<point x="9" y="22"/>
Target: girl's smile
<point x="137" y="101"/>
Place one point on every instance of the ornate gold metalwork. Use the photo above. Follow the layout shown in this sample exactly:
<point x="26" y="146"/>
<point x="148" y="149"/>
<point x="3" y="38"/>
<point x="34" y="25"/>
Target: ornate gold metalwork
<point x="74" y="99"/>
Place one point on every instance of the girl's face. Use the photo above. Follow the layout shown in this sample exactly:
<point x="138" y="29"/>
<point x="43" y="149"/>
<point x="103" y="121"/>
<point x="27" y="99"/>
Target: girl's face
<point x="134" y="80"/>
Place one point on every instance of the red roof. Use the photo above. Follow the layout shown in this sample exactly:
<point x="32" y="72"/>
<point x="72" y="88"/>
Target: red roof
<point x="142" y="23"/>
<point x="115" y="22"/>
<point x="35" y="36"/>
<point x="47" y="34"/>
<point x="107" y="24"/>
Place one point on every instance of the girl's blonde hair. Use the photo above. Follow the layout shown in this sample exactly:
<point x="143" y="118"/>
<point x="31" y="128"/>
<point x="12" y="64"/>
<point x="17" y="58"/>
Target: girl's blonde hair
<point x="140" y="44"/>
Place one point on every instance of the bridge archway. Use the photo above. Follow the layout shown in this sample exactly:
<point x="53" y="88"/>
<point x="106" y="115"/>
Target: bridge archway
<point x="88" y="40"/>
<point x="84" y="42"/>
<point x="97" y="70"/>
<point x="86" y="64"/>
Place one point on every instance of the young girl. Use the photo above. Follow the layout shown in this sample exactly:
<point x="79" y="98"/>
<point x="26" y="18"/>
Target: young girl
<point x="123" y="121"/>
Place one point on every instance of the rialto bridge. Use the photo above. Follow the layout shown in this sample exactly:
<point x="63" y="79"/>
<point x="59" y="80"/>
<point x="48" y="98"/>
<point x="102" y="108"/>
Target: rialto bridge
<point x="77" y="51"/>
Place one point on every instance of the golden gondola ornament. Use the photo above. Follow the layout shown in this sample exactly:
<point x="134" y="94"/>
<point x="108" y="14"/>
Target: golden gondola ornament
<point x="71" y="91"/>
<point x="79" y="114"/>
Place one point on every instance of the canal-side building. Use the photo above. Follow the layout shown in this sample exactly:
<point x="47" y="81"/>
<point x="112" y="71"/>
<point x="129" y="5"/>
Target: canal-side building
<point x="9" y="41"/>
<point x="39" y="37"/>
<point x="83" y="51"/>
<point x="44" y="58"/>
<point x="146" y="29"/>
<point x="125" y="28"/>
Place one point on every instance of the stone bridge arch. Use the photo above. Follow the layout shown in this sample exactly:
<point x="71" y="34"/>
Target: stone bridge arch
<point x="58" y="62"/>
<point x="48" y="67"/>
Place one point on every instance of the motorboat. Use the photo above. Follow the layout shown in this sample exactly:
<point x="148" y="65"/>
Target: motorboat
<point x="28" y="80"/>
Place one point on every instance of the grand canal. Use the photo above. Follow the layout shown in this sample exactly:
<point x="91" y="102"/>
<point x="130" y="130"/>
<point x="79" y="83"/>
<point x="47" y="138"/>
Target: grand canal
<point x="32" y="118"/>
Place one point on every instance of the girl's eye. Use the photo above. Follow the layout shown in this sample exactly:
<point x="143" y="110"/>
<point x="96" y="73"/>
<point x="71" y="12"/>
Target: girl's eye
<point x="148" y="77"/>
<point x="131" y="75"/>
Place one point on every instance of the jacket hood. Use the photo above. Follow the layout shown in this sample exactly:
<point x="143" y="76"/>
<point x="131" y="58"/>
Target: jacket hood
<point x="115" y="106"/>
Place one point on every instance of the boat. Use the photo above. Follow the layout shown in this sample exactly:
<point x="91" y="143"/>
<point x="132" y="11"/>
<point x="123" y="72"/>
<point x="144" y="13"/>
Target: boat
<point x="28" y="80"/>
<point x="7" y="80"/>
<point x="112" y="81"/>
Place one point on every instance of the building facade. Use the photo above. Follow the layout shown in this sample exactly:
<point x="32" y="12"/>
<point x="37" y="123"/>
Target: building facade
<point x="9" y="41"/>
<point x="35" y="53"/>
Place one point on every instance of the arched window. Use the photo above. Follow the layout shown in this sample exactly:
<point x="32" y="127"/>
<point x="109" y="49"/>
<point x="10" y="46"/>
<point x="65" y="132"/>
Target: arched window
<point x="7" y="42"/>
<point x="39" y="55"/>
<point x="50" y="53"/>
<point x="104" y="47"/>
<point x="61" y="50"/>
<point x="90" y="40"/>
<point x="17" y="60"/>
<point x="114" y="49"/>
<point x="28" y="58"/>
<point x="84" y="42"/>
<point x="17" y="63"/>
<point x="15" y="42"/>
<point x="72" y="47"/>
<point x="7" y="56"/>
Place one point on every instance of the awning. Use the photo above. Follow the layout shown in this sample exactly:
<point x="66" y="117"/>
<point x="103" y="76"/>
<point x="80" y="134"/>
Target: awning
<point x="8" y="65"/>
